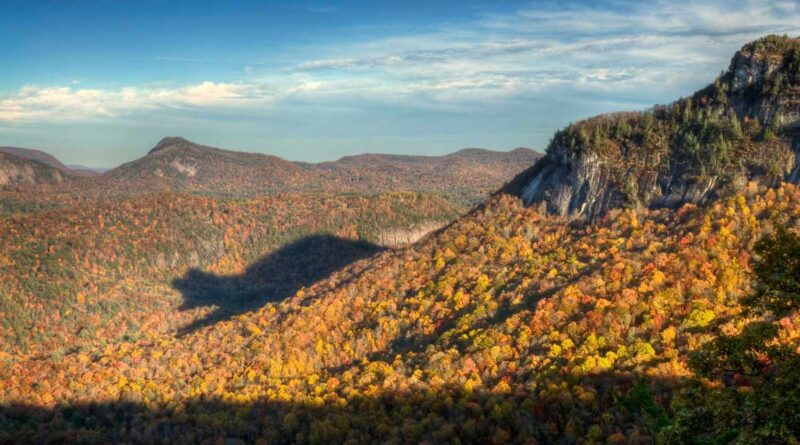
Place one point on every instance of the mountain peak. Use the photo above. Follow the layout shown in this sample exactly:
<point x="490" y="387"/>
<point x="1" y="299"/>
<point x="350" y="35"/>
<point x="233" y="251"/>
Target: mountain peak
<point x="763" y="81"/>
<point x="772" y="45"/>
<point x="171" y="141"/>
<point x="745" y="126"/>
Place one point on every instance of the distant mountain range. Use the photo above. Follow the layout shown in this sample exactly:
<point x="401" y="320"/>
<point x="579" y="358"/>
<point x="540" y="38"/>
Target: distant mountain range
<point x="89" y="171"/>
<point x="50" y="160"/>
<point x="178" y="164"/>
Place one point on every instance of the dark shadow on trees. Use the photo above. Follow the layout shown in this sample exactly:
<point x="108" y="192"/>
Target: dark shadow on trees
<point x="274" y="277"/>
<point x="451" y="414"/>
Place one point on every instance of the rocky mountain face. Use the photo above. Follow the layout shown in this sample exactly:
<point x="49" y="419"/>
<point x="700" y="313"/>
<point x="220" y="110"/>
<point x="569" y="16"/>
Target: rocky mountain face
<point x="177" y="163"/>
<point x="743" y="127"/>
<point x="15" y="170"/>
<point x="47" y="159"/>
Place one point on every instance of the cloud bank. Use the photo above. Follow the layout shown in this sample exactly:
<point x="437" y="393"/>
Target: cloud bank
<point x="617" y="48"/>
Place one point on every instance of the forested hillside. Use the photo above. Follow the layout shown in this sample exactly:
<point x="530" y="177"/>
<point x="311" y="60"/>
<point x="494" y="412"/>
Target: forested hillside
<point x="466" y="176"/>
<point x="96" y="271"/>
<point x="47" y="159"/>
<point x="17" y="171"/>
<point x="508" y="325"/>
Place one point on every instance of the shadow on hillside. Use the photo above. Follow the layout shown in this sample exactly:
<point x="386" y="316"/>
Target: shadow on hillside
<point x="451" y="414"/>
<point x="274" y="277"/>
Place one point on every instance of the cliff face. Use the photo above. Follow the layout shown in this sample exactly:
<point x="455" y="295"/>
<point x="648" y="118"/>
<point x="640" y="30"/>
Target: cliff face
<point x="15" y="170"/>
<point x="745" y="126"/>
<point x="763" y="84"/>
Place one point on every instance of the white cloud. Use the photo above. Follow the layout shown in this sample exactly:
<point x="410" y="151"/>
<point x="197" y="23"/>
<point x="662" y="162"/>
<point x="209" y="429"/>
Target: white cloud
<point x="625" y="48"/>
<point x="32" y="103"/>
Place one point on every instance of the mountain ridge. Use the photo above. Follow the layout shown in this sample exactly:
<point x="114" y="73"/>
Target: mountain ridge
<point x="178" y="142"/>
<point x="744" y="126"/>
<point x="178" y="164"/>
<point x="175" y="162"/>
<point x="19" y="171"/>
<point x="48" y="159"/>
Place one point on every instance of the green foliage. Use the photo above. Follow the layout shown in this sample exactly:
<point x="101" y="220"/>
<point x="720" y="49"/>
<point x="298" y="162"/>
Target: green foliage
<point x="757" y="397"/>
<point x="773" y="44"/>
<point x="642" y="405"/>
<point x="778" y="271"/>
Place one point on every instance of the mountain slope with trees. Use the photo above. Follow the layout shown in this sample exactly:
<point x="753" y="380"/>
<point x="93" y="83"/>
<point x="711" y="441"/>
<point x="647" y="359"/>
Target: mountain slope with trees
<point x="73" y="272"/>
<point x="506" y="326"/>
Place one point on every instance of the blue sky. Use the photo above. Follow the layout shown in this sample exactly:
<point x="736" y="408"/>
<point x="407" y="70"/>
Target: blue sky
<point x="99" y="82"/>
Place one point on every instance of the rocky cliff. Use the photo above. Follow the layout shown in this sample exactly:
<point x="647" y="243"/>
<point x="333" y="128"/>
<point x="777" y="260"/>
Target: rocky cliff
<point x="15" y="170"/>
<point x="47" y="159"/>
<point x="743" y="127"/>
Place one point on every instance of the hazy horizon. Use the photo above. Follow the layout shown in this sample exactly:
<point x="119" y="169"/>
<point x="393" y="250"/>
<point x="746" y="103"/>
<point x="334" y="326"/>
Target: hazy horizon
<point x="99" y="83"/>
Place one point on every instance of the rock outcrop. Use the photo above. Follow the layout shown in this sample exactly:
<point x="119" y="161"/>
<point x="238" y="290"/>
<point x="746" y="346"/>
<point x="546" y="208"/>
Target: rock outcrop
<point x="15" y="170"/>
<point x="47" y="159"/>
<point x="744" y="127"/>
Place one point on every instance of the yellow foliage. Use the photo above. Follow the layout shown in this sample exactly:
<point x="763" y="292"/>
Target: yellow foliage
<point x="253" y="329"/>
<point x="700" y="318"/>
<point x="668" y="334"/>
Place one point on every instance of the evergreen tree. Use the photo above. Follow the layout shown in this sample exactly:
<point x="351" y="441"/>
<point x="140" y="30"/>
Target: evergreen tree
<point x="756" y="399"/>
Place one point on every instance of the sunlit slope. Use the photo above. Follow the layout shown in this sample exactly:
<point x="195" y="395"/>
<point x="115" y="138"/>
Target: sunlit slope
<point x="507" y="325"/>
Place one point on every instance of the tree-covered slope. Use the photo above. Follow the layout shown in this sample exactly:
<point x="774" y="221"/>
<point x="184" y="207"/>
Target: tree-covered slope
<point x="508" y="325"/>
<point x="18" y="171"/>
<point x="47" y="159"/>
<point x="83" y="271"/>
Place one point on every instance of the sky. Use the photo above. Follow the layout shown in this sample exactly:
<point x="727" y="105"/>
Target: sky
<point x="99" y="82"/>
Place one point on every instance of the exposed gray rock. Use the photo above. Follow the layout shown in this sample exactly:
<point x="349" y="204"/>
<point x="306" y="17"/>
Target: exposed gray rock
<point x="749" y="72"/>
<point x="17" y="170"/>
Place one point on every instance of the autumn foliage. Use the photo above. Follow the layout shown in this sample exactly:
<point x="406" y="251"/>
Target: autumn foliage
<point x="505" y="326"/>
<point x="77" y="270"/>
